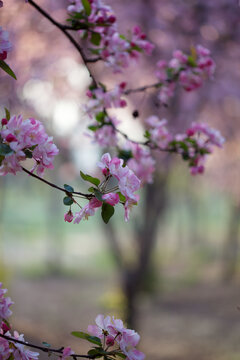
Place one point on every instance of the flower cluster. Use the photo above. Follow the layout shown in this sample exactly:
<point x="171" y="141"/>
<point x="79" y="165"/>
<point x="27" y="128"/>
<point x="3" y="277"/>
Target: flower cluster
<point x="21" y="139"/>
<point x="10" y="349"/>
<point x="193" y="146"/>
<point x="100" y="99"/>
<point x="187" y="70"/>
<point x="5" y="45"/>
<point x="116" y="50"/>
<point x="119" y="185"/>
<point x="141" y="163"/>
<point x="112" y="332"/>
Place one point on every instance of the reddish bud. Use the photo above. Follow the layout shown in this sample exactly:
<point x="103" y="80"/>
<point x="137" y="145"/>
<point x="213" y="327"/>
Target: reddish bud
<point x="11" y="138"/>
<point x="112" y="19"/>
<point x="3" y="55"/>
<point x="4" y="121"/>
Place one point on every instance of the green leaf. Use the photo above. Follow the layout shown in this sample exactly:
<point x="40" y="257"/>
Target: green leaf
<point x="191" y="61"/>
<point x="89" y="178"/>
<point x="85" y="336"/>
<point x="67" y="201"/>
<point x="4" y="66"/>
<point x="87" y="7"/>
<point x="147" y="134"/>
<point x="96" y="353"/>
<point x="125" y="155"/>
<point x="46" y="344"/>
<point x="28" y="153"/>
<point x="107" y="212"/>
<point x="95" y="38"/>
<point x="121" y="197"/>
<point x="7" y="114"/>
<point x="100" y="116"/>
<point x="93" y="127"/>
<point x="98" y="195"/>
<point x="5" y="149"/>
<point x="91" y="189"/>
<point x="1" y="159"/>
<point x="121" y="355"/>
<point x="68" y="188"/>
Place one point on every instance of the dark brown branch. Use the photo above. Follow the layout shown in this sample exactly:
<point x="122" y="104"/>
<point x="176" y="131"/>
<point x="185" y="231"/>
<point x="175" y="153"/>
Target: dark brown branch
<point x="143" y="88"/>
<point x="54" y="185"/>
<point x="44" y="349"/>
<point x="70" y="38"/>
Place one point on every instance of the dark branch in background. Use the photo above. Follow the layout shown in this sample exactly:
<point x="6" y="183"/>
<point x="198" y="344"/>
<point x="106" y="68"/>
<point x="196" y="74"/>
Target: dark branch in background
<point x="45" y="349"/>
<point x="143" y="88"/>
<point x="55" y="186"/>
<point x="64" y="28"/>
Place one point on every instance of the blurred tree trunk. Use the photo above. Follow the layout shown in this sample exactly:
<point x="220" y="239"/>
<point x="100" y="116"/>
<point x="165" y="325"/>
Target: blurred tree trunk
<point x="146" y="236"/>
<point x="231" y="246"/>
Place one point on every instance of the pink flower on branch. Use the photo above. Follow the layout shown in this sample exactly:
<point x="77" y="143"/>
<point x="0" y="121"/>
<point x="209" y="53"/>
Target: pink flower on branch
<point x="5" y="45"/>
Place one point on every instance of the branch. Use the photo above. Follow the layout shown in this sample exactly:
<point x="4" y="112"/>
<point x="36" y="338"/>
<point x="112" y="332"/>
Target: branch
<point x="64" y="28"/>
<point x="44" y="349"/>
<point x="143" y="88"/>
<point x="55" y="186"/>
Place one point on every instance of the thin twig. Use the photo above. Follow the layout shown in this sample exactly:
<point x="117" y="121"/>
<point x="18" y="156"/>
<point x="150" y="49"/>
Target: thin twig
<point x="56" y="186"/>
<point x="143" y="88"/>
<point x="69" y="36"/>
<point x="44" y="349"/>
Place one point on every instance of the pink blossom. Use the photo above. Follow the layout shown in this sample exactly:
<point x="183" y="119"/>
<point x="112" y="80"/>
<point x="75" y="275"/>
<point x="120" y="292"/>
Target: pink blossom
<point x="20" y="352"/>
<point x="5" y="351"/>
<point x="142" y="163"/>
<point x="26" y="135"/>
<point x="87" y="210"/>
<point x="114" y="333"/>
<point x="5" y="303"/>
<point x="66" y="353"/>
<point x="68" y="216"/>
<point x="5" y="45"/>
<point x="111" y="198"/>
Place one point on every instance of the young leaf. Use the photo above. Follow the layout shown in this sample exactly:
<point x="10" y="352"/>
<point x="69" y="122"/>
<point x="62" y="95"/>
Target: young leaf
<point x="87" y="7"/>
<point x="95" y="353"/>
<point x="91" y="189"/>
<point x="107" y="212"/>
<point x="100" y="116"/>
<point x="46" y="344"/>
<point x="89" y="178"/>
<point x="67" y="201"/>
<point x="4" y="66"/>
<point x="68" y="188"/>
<point x="93" y="127"/>
<point x="85" y="336"/>
<point x="95" y="38"/>
<point x="121" y="355"/>
<point x="5" y="149"/>
<point x="7" y="114"/>
<point x="122" y="197"/>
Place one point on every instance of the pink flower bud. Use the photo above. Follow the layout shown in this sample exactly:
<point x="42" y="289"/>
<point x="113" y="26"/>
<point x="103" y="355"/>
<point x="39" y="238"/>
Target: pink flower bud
<point x="11" y="138"/>
<point x="68" y="216"/>
<point x="4" y="121"/>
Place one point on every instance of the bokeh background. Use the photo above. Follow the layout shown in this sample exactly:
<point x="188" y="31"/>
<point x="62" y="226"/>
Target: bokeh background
<point x="173" y="270"/>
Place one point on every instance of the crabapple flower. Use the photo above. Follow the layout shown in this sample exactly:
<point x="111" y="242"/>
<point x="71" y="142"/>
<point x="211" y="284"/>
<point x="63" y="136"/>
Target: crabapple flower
<point x="19" y="351"/>
<point x="66" y="353"/>
<point x="141" y="163"/>
<point x="5" y="303"/>
<point x="115" y="50"/>
<point x="68" y="216"/>
<point x="87" y="210"/>
<point x="24" y="139"/>
<point x="5" y="350"/>
<point x="5" y="45"/>
<point x="111" y="198"/>
<point x="101" y="99"/>
<point x="188" y="70"/>
<point x="158" y="132"/>
<point x="112" y="332"/>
